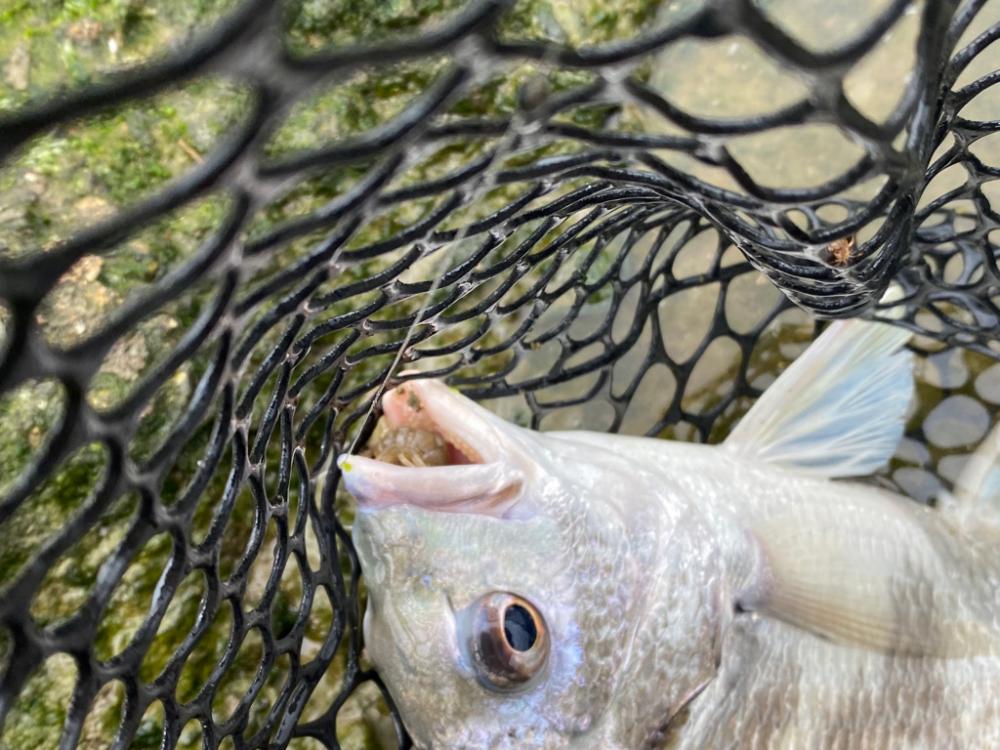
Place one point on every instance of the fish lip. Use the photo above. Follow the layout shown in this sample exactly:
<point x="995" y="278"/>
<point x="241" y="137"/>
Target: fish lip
<point x="486" y="489"/>
<point x="487" y="482"/>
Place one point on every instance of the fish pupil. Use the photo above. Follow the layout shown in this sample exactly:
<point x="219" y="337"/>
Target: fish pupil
<point x="519" y="628"/>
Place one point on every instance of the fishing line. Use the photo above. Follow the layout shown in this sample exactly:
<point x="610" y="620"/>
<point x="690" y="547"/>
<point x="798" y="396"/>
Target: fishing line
<point x="531" y="91"/>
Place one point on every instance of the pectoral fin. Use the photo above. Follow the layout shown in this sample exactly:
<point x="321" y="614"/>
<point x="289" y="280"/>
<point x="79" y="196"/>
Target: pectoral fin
<point x="865" y="589"/>
<point x="839" y="409"/>
<point x="842" y="604"/>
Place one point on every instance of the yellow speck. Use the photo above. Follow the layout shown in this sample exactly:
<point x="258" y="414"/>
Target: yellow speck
<point x="345" y="467"/>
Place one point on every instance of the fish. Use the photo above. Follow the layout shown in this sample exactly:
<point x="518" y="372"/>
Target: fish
<point x="585" y="590"/>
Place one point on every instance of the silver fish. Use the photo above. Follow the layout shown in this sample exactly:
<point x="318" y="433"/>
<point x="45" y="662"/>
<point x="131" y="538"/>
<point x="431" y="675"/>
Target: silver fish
<point x="582" y="590"/>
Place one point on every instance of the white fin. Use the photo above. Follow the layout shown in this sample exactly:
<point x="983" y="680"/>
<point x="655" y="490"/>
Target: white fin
<point x="839" y="409"/>
<point x="977" y="491"/>
<point x="879" y="587"/>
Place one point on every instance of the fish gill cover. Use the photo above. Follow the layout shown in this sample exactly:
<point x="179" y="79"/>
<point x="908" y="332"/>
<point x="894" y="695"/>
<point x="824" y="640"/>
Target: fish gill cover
<point x="224" y="224"/>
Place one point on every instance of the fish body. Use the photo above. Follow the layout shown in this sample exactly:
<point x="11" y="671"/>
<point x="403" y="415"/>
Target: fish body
<point x="783" y="678"/>
<point x="582" y="590"/>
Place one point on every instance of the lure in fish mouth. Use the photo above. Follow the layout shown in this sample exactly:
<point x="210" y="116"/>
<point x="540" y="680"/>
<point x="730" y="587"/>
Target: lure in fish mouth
<point x="583" y="590"/>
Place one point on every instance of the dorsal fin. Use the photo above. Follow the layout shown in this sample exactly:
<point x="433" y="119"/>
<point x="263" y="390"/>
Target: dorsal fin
<point x="977" y="490"/>
<point x="839" y="409"/>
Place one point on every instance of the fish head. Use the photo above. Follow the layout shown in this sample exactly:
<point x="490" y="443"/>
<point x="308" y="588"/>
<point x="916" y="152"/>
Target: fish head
<point x="503" y="587"/>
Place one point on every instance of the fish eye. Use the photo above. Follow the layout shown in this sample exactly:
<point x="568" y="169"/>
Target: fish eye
<point x="509" y="642"/>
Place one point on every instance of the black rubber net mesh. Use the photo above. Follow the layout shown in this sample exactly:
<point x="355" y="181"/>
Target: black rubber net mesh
<point x="580" y="222"/>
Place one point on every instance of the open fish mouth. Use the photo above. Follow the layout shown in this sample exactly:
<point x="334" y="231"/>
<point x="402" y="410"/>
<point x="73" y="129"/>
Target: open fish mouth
<point x="419" y="429"/>
<point x="434" y="449"/>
